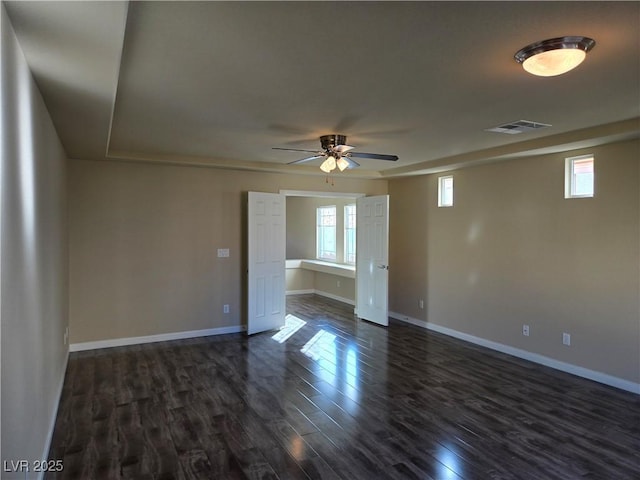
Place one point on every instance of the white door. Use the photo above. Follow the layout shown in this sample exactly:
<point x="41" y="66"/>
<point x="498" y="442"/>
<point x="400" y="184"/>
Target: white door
<point x="266" y="262"/>
<point x="372" y="259"/>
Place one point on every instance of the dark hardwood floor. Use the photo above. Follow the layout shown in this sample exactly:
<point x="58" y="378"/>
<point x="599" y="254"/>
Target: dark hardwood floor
<point x="340" y="398"/>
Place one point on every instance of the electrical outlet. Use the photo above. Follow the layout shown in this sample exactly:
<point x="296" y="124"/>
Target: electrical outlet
<point x="421" y="303"/>
<point x="66" y="335"/>
<point x="223" y="252"/>
<point x="525" y="330"/>
<point x="225" y="308"/>
<point x="338" y="283"/>
<point x="566" y="339"/>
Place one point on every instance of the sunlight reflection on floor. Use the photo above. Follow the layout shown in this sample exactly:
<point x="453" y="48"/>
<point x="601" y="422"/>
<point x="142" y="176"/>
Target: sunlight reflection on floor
<point x="292" y="325"/>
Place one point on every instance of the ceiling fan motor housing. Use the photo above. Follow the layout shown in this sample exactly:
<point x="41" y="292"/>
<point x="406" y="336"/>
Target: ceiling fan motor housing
<point x="328" y="142"/>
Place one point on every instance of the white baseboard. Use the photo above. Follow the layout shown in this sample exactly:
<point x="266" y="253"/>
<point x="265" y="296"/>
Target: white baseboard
<point x="301" y="292"/>
<point x="348" y="301"/>
<point x="54" y="415"/>
<point x="532" y="357"/>
<point x="163" y="337"/>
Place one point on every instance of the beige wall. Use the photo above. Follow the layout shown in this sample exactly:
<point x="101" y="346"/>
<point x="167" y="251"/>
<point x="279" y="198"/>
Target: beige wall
<point x="301" y="227"/>
<point x="514" y="251"/>
<point x="328" y="284"/>
<point x="300" y="280"/>
<point x="33" y="262"/>
<point x="408" y="200"/>
<point x="143" y="242"/>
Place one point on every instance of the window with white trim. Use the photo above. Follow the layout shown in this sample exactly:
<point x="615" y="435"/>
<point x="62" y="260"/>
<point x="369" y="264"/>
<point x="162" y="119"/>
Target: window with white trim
<point x="445" y="191"/>
<point x="350" y="234"/>
<point x="579" y="177"/>
<point x="326" y="233"/>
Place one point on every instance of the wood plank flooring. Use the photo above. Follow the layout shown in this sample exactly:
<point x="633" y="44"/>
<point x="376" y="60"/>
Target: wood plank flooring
<point x="340" y="399"/>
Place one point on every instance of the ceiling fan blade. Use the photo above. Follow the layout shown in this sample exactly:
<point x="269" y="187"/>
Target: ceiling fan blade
<point x="305" y="160"/>
<point x="295" y="150"/>
<point x="343" y="148"/>
<point x="352" y="162"/>
<point x="375" y="156"/>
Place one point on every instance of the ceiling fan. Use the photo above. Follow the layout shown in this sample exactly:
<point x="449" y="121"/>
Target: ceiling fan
<point x="337" y="154"/>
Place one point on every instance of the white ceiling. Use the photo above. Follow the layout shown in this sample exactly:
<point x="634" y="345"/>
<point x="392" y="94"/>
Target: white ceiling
<point x="221" y="83"/>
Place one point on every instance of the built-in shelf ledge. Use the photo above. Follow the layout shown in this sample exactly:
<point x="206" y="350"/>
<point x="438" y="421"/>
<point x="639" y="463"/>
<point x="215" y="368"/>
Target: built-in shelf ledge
<point x="340" y="269"/>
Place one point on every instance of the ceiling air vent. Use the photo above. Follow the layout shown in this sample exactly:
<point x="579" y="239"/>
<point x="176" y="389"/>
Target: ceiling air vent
<point x="520" y="126"/>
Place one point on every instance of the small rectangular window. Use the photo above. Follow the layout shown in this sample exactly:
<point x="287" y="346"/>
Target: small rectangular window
<point x="579" y="177"/>
<point x="326" y="233"/>
<point x="445" y="191"/>
<point x="350" y="234"/>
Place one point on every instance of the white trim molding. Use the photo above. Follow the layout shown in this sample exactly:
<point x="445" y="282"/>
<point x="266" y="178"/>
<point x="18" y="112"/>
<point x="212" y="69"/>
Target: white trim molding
<point x="348" y="301"/>
<point x="308" y="291"/>
<point x="525" y="355"/>
<point x="163" y="337"/>
<point x="330" y="194"/>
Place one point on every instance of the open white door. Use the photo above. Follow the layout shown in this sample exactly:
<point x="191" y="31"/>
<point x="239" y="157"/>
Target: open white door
<point x="266" y="262"/>
<point x="372" y="259"/>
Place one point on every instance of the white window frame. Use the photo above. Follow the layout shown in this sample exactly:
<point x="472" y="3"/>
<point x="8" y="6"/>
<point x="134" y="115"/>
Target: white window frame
<point x="443" y="201"/>
<point x="322" y="253"/>
<point x="350" y="210"/>
<point x="570" y="177"/>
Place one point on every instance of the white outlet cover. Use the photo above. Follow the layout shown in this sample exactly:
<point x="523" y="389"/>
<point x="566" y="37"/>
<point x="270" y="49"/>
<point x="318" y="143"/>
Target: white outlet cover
<point x="223" y="252"/>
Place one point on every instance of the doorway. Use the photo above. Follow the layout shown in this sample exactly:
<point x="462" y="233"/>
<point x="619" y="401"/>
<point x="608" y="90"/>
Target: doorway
<point x="266" y="270"/>
<point x="320" y="244"/>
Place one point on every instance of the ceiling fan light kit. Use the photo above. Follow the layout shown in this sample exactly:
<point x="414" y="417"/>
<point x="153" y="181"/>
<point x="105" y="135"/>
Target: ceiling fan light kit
<point x="328" y="165"/>
<point x="342" y="164"/>
<point x="336" y="154"/>
<point x="554" y="56"/>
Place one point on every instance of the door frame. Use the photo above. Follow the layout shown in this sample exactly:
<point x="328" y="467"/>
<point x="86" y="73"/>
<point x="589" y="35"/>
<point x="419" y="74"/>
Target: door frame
<point x="310" y="193"/>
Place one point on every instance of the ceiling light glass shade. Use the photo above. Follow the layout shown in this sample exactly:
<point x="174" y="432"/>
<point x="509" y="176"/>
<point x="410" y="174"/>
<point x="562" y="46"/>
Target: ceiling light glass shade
<point x="328" y="165"/>
<point x="342" y="164"/>
<point x="554" y="62"/>
<point x="554" y="56"/>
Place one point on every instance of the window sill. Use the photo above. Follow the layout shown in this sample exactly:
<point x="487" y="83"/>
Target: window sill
<point x="340" y="269"/>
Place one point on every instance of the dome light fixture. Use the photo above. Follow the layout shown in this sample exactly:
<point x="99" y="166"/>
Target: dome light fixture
<point x="554" y="56"/>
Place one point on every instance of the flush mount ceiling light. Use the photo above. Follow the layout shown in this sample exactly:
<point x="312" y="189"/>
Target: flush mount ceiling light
<point x="554" y="56"/>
